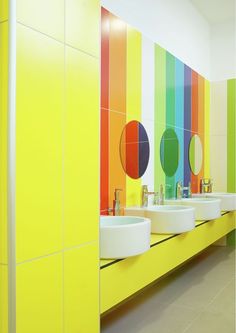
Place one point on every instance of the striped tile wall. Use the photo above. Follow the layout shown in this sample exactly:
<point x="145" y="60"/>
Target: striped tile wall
<point x="142" y="81"/>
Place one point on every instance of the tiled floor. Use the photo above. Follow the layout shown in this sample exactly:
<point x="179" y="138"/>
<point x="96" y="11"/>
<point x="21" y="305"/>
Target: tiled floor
<point x="199" y="297"/>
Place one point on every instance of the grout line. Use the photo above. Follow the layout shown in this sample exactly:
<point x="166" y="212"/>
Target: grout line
<point x="191" y="322"/>
<point x="40" y="32"/>
<point x="57" y="252"/>
<point x="204" y="308"/>
<point x="57" y="40"/>
<point x="3" y="264"/>
<point x="4" y="21"/>
<point x="63" y="177"/>
<point x="79" y="246"/>
<point x="11" y="168"/>
<point x="152" y="120"/>
<point x="82" y="51"/>
<point x="38" y="258"/>
<point x="218" y="293"/>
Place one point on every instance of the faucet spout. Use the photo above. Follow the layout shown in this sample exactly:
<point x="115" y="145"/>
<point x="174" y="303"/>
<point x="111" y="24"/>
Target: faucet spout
<point x="144" y="196"/>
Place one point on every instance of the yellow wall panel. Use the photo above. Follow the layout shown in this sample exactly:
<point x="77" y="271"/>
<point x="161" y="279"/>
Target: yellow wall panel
<point x="81" y="148"/>
<point x="3" y="10"/>
<point x="3" y="139"/>
<point x="43" y="15"/>
<point x="133" y="102"/>
<point x="83" y="25"/>
<point x="3" y="299"/>
<point x="40" y="74"/>
<point x="39" y="296"/>
<point x="81" y="289"/>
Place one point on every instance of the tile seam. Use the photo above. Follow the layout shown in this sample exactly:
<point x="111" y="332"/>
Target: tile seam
<point x="57" y="252"/>
<point x="57" y="40"/>
<point x="4" y="21"/>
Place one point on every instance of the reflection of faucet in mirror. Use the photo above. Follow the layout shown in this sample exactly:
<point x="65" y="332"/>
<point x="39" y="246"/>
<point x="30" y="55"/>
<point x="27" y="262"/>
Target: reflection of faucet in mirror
<point x="116" y="210"/>
<point x="183" y="191"/>
<point x="145" y="194"/>
<point x="187" y="191"/>
<point x="206" y="185"/>
<point x="179" y="190"/>
<point x="116" y="202"/>
<point x="161" y="197"/>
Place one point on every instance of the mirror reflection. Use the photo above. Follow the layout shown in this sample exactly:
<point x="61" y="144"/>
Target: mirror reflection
<point x="169" y="152"/>
<point x="134" y="149"/>
<point x="195" y="154"/>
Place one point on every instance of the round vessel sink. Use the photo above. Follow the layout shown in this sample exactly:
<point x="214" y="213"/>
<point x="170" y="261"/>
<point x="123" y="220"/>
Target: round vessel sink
<point x="206" y="208"/>
<point x="228" y="200"/>
<point x="167" y="219"/>
<point x="123" y="236"/>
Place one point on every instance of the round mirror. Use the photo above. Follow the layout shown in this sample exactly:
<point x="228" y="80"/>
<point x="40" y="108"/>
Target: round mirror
<point x="134" y="149"/>
<point x="169" y="152"/>
<point x="195" y="154"/>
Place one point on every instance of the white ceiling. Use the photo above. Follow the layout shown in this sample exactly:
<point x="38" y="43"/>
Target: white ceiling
<point x="216" y="11"/>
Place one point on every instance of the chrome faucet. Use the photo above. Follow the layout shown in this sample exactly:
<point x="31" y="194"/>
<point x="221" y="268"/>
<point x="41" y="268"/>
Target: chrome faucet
<point x="145" y="194"/>
<point x="116" y="210"/>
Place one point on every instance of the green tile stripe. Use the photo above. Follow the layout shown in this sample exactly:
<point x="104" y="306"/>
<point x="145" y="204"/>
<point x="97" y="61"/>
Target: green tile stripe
<point x="160" y="112"/>
<point x="170" y="90"/>
<point x="231" y="145"/>
<point x="170" y="110"/>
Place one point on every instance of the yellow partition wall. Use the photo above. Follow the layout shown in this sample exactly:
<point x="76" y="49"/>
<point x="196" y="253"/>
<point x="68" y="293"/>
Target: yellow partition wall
<point x="3" y="165"/>
<point x="57" y="166"/>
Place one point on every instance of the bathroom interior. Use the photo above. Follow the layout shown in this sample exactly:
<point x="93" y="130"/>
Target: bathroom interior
<point x="117" y="166"/>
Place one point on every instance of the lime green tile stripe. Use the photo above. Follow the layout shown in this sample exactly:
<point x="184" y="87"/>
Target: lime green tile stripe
<point x="160" y="112"/>
<point x="170" y="111"/>
<point x="170" y="90"/>
<point x="231" y="146"/>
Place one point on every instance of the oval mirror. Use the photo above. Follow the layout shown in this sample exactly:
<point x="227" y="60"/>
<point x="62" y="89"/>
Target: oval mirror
<point x="169" y="152"/>
<point x="195" y="154"/>
<point x="134" y="149"/>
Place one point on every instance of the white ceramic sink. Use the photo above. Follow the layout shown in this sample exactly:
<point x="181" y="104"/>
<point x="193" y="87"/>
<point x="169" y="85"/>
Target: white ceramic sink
<point x="123" y="236"/>
<point x="228" y="200"/>
<point x="206" y="208"/>
<point x="166" y="219"/>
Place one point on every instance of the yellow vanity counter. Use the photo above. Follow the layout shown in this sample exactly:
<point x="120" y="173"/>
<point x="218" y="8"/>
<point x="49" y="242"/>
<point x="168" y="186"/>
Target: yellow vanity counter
<point x="119" y="279"/>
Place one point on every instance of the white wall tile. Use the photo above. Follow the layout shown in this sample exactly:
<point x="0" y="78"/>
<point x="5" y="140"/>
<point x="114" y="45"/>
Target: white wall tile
<point x="148" y="79"/>
<point x="218" y="113"/>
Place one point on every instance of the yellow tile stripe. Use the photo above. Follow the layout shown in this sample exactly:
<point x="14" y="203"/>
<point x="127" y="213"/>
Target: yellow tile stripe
<point x="133" y="101"/>
<point x="3" y="139"/>
<point x="3" y="10"/>
<point x="207" y="130"/>
<point x="3" y="299"/>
